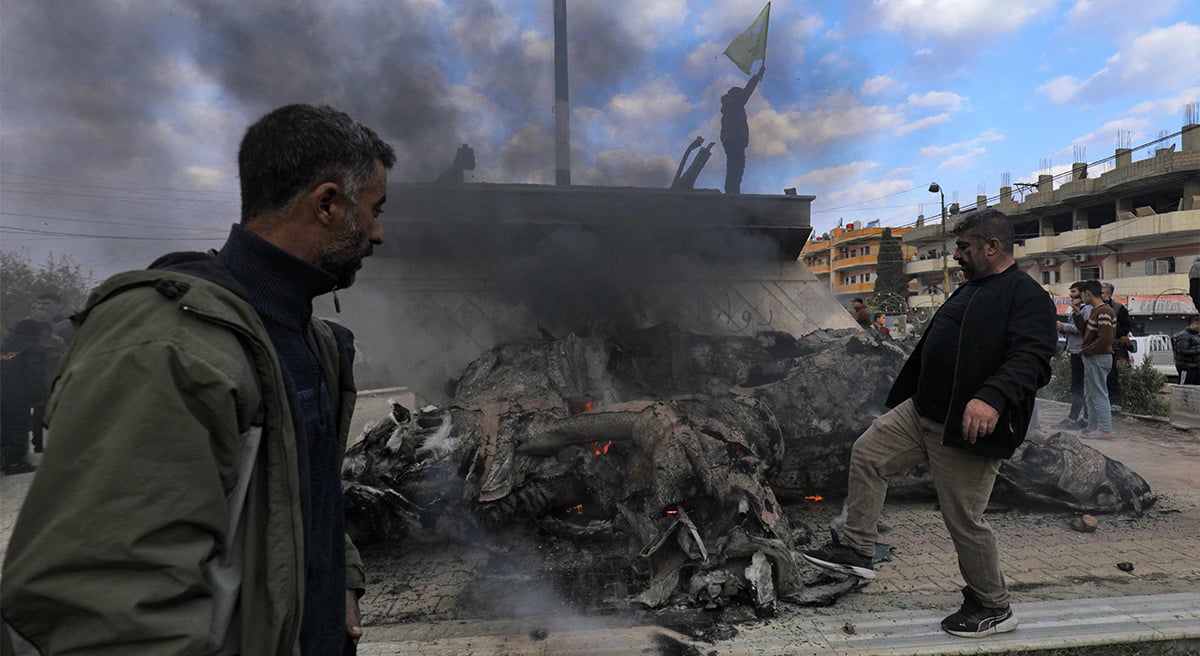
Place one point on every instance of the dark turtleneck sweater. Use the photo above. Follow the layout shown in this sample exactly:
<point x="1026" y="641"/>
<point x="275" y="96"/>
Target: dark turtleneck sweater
<point x="281" y="289"/>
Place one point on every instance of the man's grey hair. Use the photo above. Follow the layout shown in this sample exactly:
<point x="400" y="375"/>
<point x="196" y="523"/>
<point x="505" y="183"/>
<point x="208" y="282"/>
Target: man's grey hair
<point x="296" y="147"/>
<point x="987" y="223"/>
<point x="1108" y="287"/>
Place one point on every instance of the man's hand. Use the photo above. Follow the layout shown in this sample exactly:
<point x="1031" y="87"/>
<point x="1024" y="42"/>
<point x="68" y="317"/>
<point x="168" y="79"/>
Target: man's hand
<point x="353" y="617"/>
<point x="979" y="419"/>
<point x="1061" y="326"/>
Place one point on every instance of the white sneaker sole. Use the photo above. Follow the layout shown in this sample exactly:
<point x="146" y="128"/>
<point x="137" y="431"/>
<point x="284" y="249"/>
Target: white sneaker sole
<point x="1007" y="625"/>
<point x="860" y="572"/>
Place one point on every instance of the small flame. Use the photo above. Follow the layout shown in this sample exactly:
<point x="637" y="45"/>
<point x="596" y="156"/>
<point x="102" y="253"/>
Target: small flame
<point x="672" y="511"/>
<point x="597" y="449"/>
<point x="588" y="405"/>
<point x="814" y="498"/>
<point x="577" y="509"/>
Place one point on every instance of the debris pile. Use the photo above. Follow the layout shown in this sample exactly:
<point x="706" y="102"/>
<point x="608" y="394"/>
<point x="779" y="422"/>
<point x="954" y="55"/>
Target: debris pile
<point x="668" y="453"/>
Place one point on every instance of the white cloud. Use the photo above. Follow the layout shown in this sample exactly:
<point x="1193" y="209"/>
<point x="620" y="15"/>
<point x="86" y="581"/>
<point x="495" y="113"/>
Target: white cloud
<point x="953" y="20"/>
<point x="1166" y="105"/>
<point x="921" y="124"/>
<point x="987" y="136"/>
<point x="964" y="161"/>
<point x="840" y="116"/>
<point x="1158" y="60"/>
<point x="1115" y="17"/>
<point x="833" y="175"/>
<point x="946" y="100"/>
<point x="880" y="84"/>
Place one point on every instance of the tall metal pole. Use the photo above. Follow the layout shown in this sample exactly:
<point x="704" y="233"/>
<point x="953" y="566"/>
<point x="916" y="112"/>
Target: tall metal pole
<point x="562" y="102"/>
<point x="935" y="188"/>
<point x="945" y="266"/>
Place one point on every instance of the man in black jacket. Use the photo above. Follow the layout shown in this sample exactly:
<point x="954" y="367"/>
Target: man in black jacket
<point x="962" y="402"/>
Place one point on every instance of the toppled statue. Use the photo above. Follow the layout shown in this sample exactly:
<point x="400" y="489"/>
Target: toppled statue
<point x="464" y="160"/>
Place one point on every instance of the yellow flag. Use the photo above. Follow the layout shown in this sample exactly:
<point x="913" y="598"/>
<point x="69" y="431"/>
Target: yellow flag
<point x="751" y="45"/>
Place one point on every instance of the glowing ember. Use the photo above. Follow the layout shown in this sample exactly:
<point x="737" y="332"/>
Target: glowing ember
<point x="577" y="509"/>
<point x="672" y="511"/>
<point x="598" y="450"/>
<point x="814" y="498"/>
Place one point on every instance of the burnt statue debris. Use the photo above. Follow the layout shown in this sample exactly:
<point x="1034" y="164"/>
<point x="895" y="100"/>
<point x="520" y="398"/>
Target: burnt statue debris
<point x="670" y="453"/>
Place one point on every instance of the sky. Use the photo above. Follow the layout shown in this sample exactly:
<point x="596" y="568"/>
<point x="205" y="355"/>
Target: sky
<point x="120" y="119"/>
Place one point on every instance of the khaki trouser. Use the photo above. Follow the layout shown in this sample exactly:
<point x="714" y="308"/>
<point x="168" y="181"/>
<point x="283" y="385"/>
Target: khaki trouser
<point x="896" y="442"/>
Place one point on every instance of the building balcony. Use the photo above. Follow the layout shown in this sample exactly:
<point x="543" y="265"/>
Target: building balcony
<point x="819" y="268"/>
<point x="1180" y="226"/>
<point x="858" y="235"/>
<point x="1037" y="247"/>
<point x="924" y="300"/>
<point x="869" y="261"/>
<point x="859" y="288"/>
<point x="927" y="235"/>
<point x="930" y="265"/>
<point x="1171" y="283"/>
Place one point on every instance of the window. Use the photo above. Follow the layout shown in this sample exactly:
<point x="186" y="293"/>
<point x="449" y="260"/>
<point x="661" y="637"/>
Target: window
<point x="1045" y="277"/>
<point x="866" y="250"/>
<point x="1160" y="267"/>
<point x="1089" y="273"/>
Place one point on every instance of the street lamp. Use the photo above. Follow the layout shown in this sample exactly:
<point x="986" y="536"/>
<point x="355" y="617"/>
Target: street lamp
<point x="934" y="188"/>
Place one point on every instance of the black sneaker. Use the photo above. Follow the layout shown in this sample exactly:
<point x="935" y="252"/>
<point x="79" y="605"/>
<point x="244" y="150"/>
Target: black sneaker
<point x="974" y="620"/>
<point x="19" y="468"/>
<point x="840" y="558"/>
<point x="1067" y="424"/>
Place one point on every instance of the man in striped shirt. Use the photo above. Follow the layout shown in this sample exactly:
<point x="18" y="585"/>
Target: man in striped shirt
<point x="1098" y="332"/>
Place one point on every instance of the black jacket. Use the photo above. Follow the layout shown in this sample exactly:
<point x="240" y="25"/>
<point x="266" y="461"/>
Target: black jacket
<point x="1004" y="353"/>
<point x="1187" y="349"/>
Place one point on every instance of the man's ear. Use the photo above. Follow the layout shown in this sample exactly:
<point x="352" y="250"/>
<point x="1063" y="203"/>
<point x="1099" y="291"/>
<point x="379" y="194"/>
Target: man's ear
<point x="325" y="196"/>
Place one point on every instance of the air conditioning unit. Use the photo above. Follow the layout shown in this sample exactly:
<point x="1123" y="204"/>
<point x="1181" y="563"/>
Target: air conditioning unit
<point x="1081" y="257"/>
<point x="1049" y="262"/>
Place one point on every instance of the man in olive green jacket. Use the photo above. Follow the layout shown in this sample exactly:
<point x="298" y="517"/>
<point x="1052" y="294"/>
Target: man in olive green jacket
<point x="185" y="494"/>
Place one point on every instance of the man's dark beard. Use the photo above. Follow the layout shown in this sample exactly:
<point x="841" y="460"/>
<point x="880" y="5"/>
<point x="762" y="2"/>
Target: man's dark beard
<point x="342" y="257"/>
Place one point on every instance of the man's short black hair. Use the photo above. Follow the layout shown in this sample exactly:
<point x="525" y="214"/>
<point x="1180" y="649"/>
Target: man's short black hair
<point x="296" y="147"/>
<point x="857" y="300"/>
<point x="987" y="223"/>
<point x="1078" y="284"/>
<point x="1091" y="286"/>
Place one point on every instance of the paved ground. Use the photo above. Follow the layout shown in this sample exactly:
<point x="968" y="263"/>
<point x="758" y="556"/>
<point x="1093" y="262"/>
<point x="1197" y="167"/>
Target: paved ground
<point x="486" y="599"/>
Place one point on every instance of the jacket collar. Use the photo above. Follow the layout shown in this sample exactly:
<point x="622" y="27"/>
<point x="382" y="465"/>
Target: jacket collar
<point x="279" y="284"/>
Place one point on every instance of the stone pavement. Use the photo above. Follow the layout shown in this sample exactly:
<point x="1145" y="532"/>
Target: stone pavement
<point x="487" y="598"/>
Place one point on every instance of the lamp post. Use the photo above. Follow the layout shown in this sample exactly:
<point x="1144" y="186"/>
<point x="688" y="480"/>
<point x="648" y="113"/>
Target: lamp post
<point x="934" y="188"/>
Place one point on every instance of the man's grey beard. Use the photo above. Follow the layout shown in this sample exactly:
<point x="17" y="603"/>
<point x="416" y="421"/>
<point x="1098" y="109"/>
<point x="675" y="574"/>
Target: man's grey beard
<point x="342" y="256"/>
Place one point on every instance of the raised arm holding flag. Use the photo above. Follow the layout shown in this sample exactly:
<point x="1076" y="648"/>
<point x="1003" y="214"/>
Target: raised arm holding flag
<point x="747" y="48"/>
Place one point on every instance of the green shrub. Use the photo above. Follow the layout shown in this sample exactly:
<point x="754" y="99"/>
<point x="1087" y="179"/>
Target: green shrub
<point x="1141" y="388"/>
<point x="1059" y="387"/>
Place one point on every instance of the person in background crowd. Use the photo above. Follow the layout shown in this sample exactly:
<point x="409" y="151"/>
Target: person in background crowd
<point x="1194" y="283"/>
<point x="54" y="347"/>
<point x="213" y="410"/>
<point x="1074" y="336"/>
<point x="962" y="415"/>
<point x="1187" y="353"/>
<point x="51" y="304"/>
<point x="22" y="385"/>
<point x="1098" y="330"/>
<point x="861" y="314"/>
<point x="1121" y="341"/>
<point x="881" y="324"/>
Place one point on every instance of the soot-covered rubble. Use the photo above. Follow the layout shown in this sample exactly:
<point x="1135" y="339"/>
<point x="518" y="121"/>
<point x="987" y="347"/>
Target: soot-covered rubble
<point x="671" y="452"/>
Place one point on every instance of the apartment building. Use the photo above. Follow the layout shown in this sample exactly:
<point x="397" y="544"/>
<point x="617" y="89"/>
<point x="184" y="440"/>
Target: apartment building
<point x="847" y="258"/>
<point x="1136" y="226"/>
